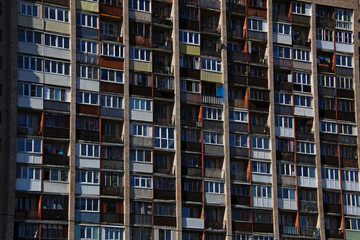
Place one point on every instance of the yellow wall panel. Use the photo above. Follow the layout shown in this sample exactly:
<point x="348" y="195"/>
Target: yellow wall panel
<point x="189" y="49"/>
<point x="211" y="76"/>
<point x="87" y="6"/>
<point x="141" y="66"/>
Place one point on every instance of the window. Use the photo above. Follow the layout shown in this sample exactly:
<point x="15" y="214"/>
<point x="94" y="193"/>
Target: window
<point x="164" y="183"/>
<point x="53" y="202"/>
<point x="86" y="46"/>
<point x="30" y="63"/>
<point x="112" y="2"/>
<point x="87" y="98"/>
<point x="112" y="50"/>
<point x="330" y="173"/>
<point x="88" y="150"/>
<point x="87" y="123"/>
<point x="302" y="101"/>
<point x="111" y="75"/>
<point x="347" y="129"/>
<point x="286" y="193"/>
<point x="140" y="130"/>
<point x="56" y="175"/>
<point x="28" y="230"/>
<point x="140" y="54"/>
<point x="30" y="90"/>
<point x="90" y="177"/>
<point x="210" y="65"/>
<point x="137" y="155"/>
<point x="287" y="169"/>
<point x="260" y="142"/>
<point x="213" y="138"/>
<point x="88" y="232"/>
<point x="140" y="104"/>
<point x="328" y="127"/>
<point x="164" y="137"/>
<point x="29" y="145"/>
<point x="282" y="28"/>
<point x="140" y="181"/>
<point x="111" y="179"/>
<point x="57" y="41"/>
<point x="238" y="116"/>
<point x="164" y="82"/>
<point x="164" y="209"/>
<point x="28" y="173"/>
<point x="187" y="61"/>
<point x="302" y="82"/>
<point x="327" y="103"/>
<point x="261" y="167"/>
<point x="190" y="86"/>
<point x="306" y="171"/>
<point x="189" y="37"/>
<point x="25" y="35"/>
<point x="325" y="35"/>
<point x="256" y="24"/>
<point x="55" y="67"/>
<point x="284" y="145"/>
<point x="282" y="52"/>
<point x="326" y="81"/>
<point x="140" y="29"/>
<point x="345" y="105"/>
<point x="344" y="83"/>
<point x="214" y="187"/>
<point x="140" y="5"/>
<point x="112" y="233"/>
<point x="343" y="18"/>
<point x="350" y="176"/>
<point x="212" y="113"/>
<point x="89" y="72"/>
<point x="305" y="147"/>
<point x="259" y="95"/>
<point x="261" y="191"/>
<point x="343" y="61"/>
<point x="56" y="14"/>
<point x="87" y="204"/>
<point x="343" y="37"/>
<point x="238" y="140"/>
<point x="299" y="8"/>
<point x="86" y="20"/>
<point x="106" y="29"/>
<point x="190" y="135"/>
<point x="352" y="200"/>
<point x="283" y="121"/>
<point x="111" y="101"/>
<point x="301" y="55"/>
<point x="282" y="98"/>
<point x="25" y="121"/>
<point x="27" y="9"/>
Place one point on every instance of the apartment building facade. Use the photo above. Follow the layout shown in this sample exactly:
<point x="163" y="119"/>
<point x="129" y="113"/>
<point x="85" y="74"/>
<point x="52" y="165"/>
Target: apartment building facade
<point x="179" y="119"/>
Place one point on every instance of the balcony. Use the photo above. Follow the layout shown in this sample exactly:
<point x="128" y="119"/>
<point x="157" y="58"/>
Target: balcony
<point x="213" y="4"/>
<point x="213" y="125"/>
<point x="141" y="219"/>
<point x="307" y="181"/>
<point x="304" y="135"/>
<point x="192" y="196"/>
<point x="193" y="223"/>
<point x="164" y="194"/>
<point x="112" y="218"/>
<point x="327" y="23"/>
<point x="238" y="127"/>
<point x="29" y="214"/>
<point x="257" y="36"/>
<point x="344" y="93"/>
<point x="112" y="191"/>
<point x="330" y="160"/>
<point x="286" y="180"/>
<point x="325" y="113"/>
<point x="263" y="227"/>
<point x="53" y="132"/>
<point x="301" y="20"/>
<point x="49" y="214"/>
<point x="310" y="231"/>
<point x="285" y="155"/>
<point x="191" y="171"/>
<point x="235" y="33"/>
<point x="214" y="224"/>
<point x="346" y="116"/>
<point x="239" y="152"/>
<point x="305" y="158"/>
<point x="210" y="28"/>
<point x="165" y="45"/>
<point x="307" y="206"/>
<point x="191" y="146"/>
<point x="53" y="159"/>
<point x="238" y="7"/>
<point x="162" y="18"/>
<point x="87" y="135"/>
<point x="189" y="24"/>
<point x="212" y="100"/>
<point x="255" y="105"/>
<point x="190" y="97"/>
<point x="331" y="183"/>
<point x="111" y="11"/>
<point x="282" y="63"/>
<point x="239" y="103"/>
<point x="349" y="162"/>
<point x="112" y="164"/>
<point x="289" y="230"/>
<point x="324" y="91"/>
<point x="190" y="73"/>
<point x="165" y="221"/>
<point x="210" y="51"/>
<point x="240" y="200"/>
<point x="332" y="208"/>
<point x="213" y="150"/>
<point x="257" y="58"/>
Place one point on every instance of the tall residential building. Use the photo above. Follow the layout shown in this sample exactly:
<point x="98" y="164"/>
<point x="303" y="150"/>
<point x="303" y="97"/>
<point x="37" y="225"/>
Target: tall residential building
<point x="179" y="119"/>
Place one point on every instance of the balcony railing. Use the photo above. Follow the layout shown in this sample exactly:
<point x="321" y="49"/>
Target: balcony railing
<point x="141" y="219"/>
<point x="213" y="4"/>
<point x="212" y="100"/>
<point x="289" y="230"/>
<point x="112" y="191"/>
<point x="308" y="206"/>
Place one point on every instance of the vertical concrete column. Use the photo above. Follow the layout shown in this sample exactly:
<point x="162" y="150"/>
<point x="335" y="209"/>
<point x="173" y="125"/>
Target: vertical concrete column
<point x="126" y="131"/>
<point x="72" y="144"/>
<point x="8" y="130"/>
<point x="271" y="119"/>
<point x="177" y="103"/>
<point x="226" y="162"/>
<point x="316" y="123"/>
